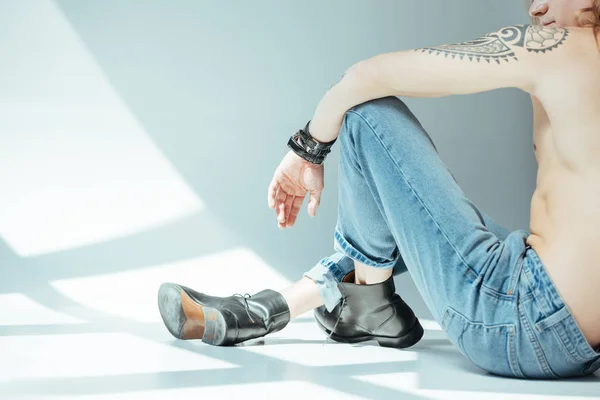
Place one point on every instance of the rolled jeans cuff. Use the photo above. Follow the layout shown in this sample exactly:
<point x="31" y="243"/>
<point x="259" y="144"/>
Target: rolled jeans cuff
<point x="327" y="273"/>
<point x="341" y="245"/>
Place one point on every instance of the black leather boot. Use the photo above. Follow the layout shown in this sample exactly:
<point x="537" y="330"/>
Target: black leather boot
<point x="370" y="312"/>
<point x="221" y="321"/>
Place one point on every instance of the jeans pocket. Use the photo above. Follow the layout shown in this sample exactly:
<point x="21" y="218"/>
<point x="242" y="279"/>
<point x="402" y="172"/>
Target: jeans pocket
<point x="564" y="344"/>
<point x="491" y="347"/>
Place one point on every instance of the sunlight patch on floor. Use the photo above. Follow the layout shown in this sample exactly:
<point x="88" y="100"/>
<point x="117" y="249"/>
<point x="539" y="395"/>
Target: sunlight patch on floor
<point x="76" y="166"/>
<point x="133" y="294"/>
<point x="18" y="309"/>
<point x="95" y="354"/>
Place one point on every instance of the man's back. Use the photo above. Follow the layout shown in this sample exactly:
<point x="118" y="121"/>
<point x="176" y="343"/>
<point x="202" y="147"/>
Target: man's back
<point x="564" y="211"/>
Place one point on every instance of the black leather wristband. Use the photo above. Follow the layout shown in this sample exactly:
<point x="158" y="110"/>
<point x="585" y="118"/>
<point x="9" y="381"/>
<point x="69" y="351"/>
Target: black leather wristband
<point x="303" y="144"/>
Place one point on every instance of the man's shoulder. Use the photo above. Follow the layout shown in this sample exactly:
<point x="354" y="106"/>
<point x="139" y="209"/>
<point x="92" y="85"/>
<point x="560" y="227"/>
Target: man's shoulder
<point x="537" y="39"/>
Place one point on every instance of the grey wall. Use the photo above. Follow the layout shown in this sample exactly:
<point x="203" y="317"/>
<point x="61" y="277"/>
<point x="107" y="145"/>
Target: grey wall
<point x="203" y="77"/>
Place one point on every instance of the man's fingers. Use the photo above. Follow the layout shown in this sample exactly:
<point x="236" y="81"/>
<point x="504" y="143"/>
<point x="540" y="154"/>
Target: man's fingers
<point x="280" y="198"/>
<point x="315" y="200"/>
<point x="272" y="192"/>
<point x="296" y="205"/>
<point x="288" y="206"/>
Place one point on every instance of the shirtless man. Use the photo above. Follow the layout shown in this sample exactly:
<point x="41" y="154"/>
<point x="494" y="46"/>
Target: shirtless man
<point x="521" y="304"/>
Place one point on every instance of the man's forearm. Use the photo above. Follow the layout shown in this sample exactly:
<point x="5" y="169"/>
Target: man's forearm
<point x="503" y="59"/>
<point x="356" y="86"/>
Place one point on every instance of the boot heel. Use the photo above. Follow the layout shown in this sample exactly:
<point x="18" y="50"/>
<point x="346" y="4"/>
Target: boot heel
<point x="215" y="325"/>
<point x="407" y="340"/>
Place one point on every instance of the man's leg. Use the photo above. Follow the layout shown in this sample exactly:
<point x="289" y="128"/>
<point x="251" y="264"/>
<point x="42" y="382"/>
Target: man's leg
<point x="329" y="271"/>
<point x="375" y="254"/>
<point x="466" y="274"/>
<point x="356" y="194"/>
<point x="420" y="214"/>
<point x="306" y="294"/>
<point x="302" y="296"/>
<point x="370" y="275"/>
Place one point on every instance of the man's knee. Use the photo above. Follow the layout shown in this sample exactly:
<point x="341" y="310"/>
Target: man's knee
<point x="381" y="105"/>
<point x="380" y="117"/>
<point x="381" y="114"/>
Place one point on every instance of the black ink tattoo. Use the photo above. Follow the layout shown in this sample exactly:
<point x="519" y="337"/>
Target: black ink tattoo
<point x="496" y="46"/>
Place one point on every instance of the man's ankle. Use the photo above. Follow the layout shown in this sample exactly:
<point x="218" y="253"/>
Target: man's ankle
<point x="373" y="277"/>
<point x="367" y="275"/>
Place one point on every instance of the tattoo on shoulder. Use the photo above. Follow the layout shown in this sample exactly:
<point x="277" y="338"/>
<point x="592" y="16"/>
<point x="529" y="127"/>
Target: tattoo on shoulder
<point x="497" y="46"/>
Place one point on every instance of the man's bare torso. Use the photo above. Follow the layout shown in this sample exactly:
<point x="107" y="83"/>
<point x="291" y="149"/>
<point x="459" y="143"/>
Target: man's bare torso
<point x="565" y="207"/>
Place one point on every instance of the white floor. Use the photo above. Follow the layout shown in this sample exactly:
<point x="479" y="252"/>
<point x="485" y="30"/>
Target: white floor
<point x="100" y="337"/>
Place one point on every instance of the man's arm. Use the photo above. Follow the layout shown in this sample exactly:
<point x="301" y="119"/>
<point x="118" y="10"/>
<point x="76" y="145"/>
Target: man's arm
<point x="515" y="56"/>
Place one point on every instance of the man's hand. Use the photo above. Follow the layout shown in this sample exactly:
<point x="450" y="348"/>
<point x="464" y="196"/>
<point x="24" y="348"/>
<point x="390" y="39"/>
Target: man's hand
<point x="292" y="179"/>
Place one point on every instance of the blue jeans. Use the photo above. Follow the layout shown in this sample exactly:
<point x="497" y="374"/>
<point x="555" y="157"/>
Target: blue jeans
<point x="401" y="208"/>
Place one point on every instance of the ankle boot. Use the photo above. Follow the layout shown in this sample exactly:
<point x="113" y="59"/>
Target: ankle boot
<point x="221" y="321"/>
<point x="369" y="312"/>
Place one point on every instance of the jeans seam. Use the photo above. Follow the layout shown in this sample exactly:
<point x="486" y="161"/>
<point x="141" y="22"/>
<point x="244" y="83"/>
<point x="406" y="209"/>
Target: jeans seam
<point x="573" y="355"/>
<point x="514" y="281"/>
<point x="537" y="348"/>
<point x="512" y="286"/>
<point x="495" y="294"/>
<point x="470" y="269"/>
<point x="474" y="322"/>
<point x="507" y="329"/>
<point x="532" y="339"/>
<point x="512" y="356"/>
<point x="525" y="297"/>
<point x="542" y="306"/>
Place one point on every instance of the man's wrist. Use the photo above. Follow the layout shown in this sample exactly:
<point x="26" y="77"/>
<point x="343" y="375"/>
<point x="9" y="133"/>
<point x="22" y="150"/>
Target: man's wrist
<point x="324" y="132"/>
<point x="305" y="146"/>
<point x="321" y="142"/>
<point x="312" y="135"/>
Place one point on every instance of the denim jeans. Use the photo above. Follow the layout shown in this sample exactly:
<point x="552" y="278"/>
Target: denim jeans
<point x="401" y="208"/>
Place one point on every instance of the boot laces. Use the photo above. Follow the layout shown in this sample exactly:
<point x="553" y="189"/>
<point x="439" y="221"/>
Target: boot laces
<point x="246" y="306"/>
<point x="336" y="322"/>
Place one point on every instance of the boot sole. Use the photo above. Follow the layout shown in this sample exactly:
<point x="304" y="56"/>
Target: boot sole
<point x="187" y="319"/>
<point x="409" y="339"/>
